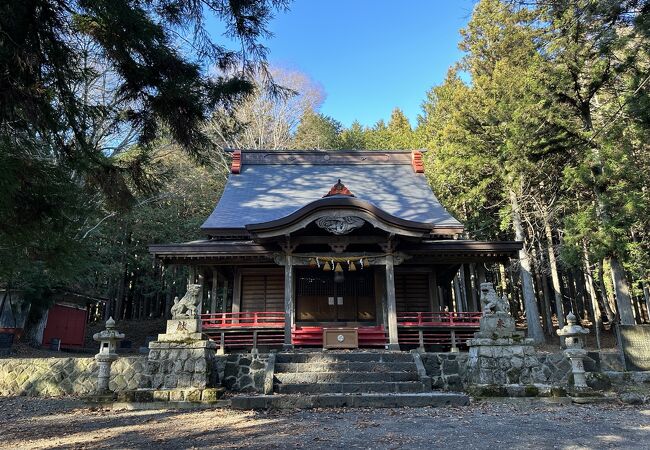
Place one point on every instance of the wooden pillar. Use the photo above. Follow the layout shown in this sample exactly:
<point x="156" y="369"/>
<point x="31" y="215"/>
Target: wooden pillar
<point x="458" y="294"/>
<point x="391" y="305"/>
<point x="480" y="274"/>
<point x="288" y="301"/>
<point x="202" y="290"/>
<point x="213" y="292"/>
<point x="380" y="297"/>
<point x="442" y="298"/>
<point x="236" y="292"/>
<point x="470" y="293"/>
<point x="224" y="300"/>
<point x="433" y="292"/>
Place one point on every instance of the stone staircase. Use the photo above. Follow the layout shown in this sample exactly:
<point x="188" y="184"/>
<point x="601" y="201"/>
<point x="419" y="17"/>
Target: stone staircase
<point x="349" y="378"/>
<point x="347" y="373"/>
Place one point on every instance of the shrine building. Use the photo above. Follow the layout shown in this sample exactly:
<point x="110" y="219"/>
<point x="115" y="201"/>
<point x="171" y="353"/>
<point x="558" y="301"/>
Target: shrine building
<point x="303" y="242"/>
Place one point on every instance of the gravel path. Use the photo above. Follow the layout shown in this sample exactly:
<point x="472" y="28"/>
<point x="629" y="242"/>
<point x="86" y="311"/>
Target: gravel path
<point x="41" y="423"/>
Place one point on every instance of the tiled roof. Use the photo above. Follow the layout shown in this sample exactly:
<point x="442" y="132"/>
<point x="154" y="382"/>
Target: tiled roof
<point x="264" y="191"/>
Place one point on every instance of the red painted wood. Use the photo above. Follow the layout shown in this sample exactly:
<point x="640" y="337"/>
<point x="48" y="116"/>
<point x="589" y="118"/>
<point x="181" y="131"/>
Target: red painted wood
<point x="439" y="319"/>
<point x="313" y="335"/>
<point x="238" y="329"/>
<point x="66" y="323"/>
<point x="252" y="319"/>
<point x="235" y="167"/>
<point x="417" y="162"/>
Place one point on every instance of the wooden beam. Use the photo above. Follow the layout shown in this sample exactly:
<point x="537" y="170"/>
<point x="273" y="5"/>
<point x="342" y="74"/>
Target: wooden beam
<point x="346" y="240"/>
<point x="391" y="305"/>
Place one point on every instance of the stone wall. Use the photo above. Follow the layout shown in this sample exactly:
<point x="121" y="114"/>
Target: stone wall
<point x="52" y="377"/>
<point x="242" y="372"/>
<point x="449" y="371"/>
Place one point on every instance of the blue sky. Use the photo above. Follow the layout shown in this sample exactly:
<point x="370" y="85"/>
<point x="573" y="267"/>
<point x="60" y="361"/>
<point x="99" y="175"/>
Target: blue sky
<point x="370" y="55"/>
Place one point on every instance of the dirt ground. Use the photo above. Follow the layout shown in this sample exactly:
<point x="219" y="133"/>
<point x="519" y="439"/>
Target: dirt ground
<point x="41" y="423"/>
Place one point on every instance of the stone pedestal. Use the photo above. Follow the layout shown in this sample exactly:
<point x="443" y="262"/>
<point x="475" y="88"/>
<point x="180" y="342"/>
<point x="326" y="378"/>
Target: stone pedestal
<point x="180" y="365"/>
<point x="180" y="359"/>
<point x="499" y="354"/>
<point x="182" y="330"/>
<point x="505" y="360"/>
<point x="498" y="325"/>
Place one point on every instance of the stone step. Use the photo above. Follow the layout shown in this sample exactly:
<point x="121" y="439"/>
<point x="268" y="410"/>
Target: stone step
<point x="350" y="388"/>
<point x="324" y="357"/>
<point x="432" y="399"/>
<point x="345" y="377"/>
<point x="345" y="366"/>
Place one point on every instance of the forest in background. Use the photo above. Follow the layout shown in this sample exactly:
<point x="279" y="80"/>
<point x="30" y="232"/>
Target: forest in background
<point x="539" y="134"/>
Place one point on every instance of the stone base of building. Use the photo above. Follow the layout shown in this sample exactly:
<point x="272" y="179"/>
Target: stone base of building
<point x="180" y="365"/>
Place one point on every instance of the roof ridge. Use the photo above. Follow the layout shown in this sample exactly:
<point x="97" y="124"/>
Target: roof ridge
<point x="243" y="158"/>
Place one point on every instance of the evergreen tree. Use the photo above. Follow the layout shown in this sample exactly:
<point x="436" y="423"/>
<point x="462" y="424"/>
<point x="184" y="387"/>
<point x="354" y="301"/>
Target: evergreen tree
<point x="317" y="131"/>
<point x="353" y="137"/>
<point x="82" y="82"/>
<point x="401" y="133"/>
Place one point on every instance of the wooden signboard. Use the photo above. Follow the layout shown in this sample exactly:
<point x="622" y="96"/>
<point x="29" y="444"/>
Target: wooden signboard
<point x="635" y="340"/>
<point x="340" y="338"/>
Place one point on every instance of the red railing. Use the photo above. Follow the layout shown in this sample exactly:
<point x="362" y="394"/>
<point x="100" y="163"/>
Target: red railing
<point x="257" y="319"/>
<point x="313" y="336"/>
<point x="438" y="319"/>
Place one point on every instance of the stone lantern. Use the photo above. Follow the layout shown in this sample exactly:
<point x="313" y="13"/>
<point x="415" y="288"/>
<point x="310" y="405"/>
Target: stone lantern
<point x="574" y="341"/>
<point x="108" y="340"/>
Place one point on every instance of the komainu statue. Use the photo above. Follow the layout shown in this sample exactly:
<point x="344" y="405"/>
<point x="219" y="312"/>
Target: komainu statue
<point x="496" y="321"/>
<point x="491" y="302"/>
<point x="187" y="307"/>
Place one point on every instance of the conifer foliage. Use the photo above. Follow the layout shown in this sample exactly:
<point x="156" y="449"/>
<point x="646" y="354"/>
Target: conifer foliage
<point x="87" y="87"/>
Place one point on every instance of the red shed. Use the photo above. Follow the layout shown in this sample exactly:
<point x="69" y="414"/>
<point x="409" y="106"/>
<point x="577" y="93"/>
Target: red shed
<point x="66" y="322"/>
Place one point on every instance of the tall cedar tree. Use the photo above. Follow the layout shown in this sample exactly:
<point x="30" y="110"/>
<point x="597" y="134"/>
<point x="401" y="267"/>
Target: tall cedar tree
<point x="167" y="75"/>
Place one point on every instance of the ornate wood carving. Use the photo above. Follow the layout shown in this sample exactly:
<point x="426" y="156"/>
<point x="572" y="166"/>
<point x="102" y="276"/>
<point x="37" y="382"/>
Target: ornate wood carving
<point x="339" y="189"/>
<point x="339" y="225"/>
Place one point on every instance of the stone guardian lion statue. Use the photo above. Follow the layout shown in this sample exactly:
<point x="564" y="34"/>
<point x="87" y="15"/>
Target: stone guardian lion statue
<point x="491" y="303"/>
<point x="187" y="307"/>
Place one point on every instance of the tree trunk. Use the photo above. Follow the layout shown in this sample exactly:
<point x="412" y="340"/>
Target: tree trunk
<point x="34" y="331"/>
<point x="591" y="290"/>
<point x="623" y="300"/>
<point x="611" y="313"/>
<point x="547" y="320"/>
<point x="555" y="274"/>
<point x="646" y="296"/>
<point x="503" y="279"/>
<point x="528" y="292"/>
